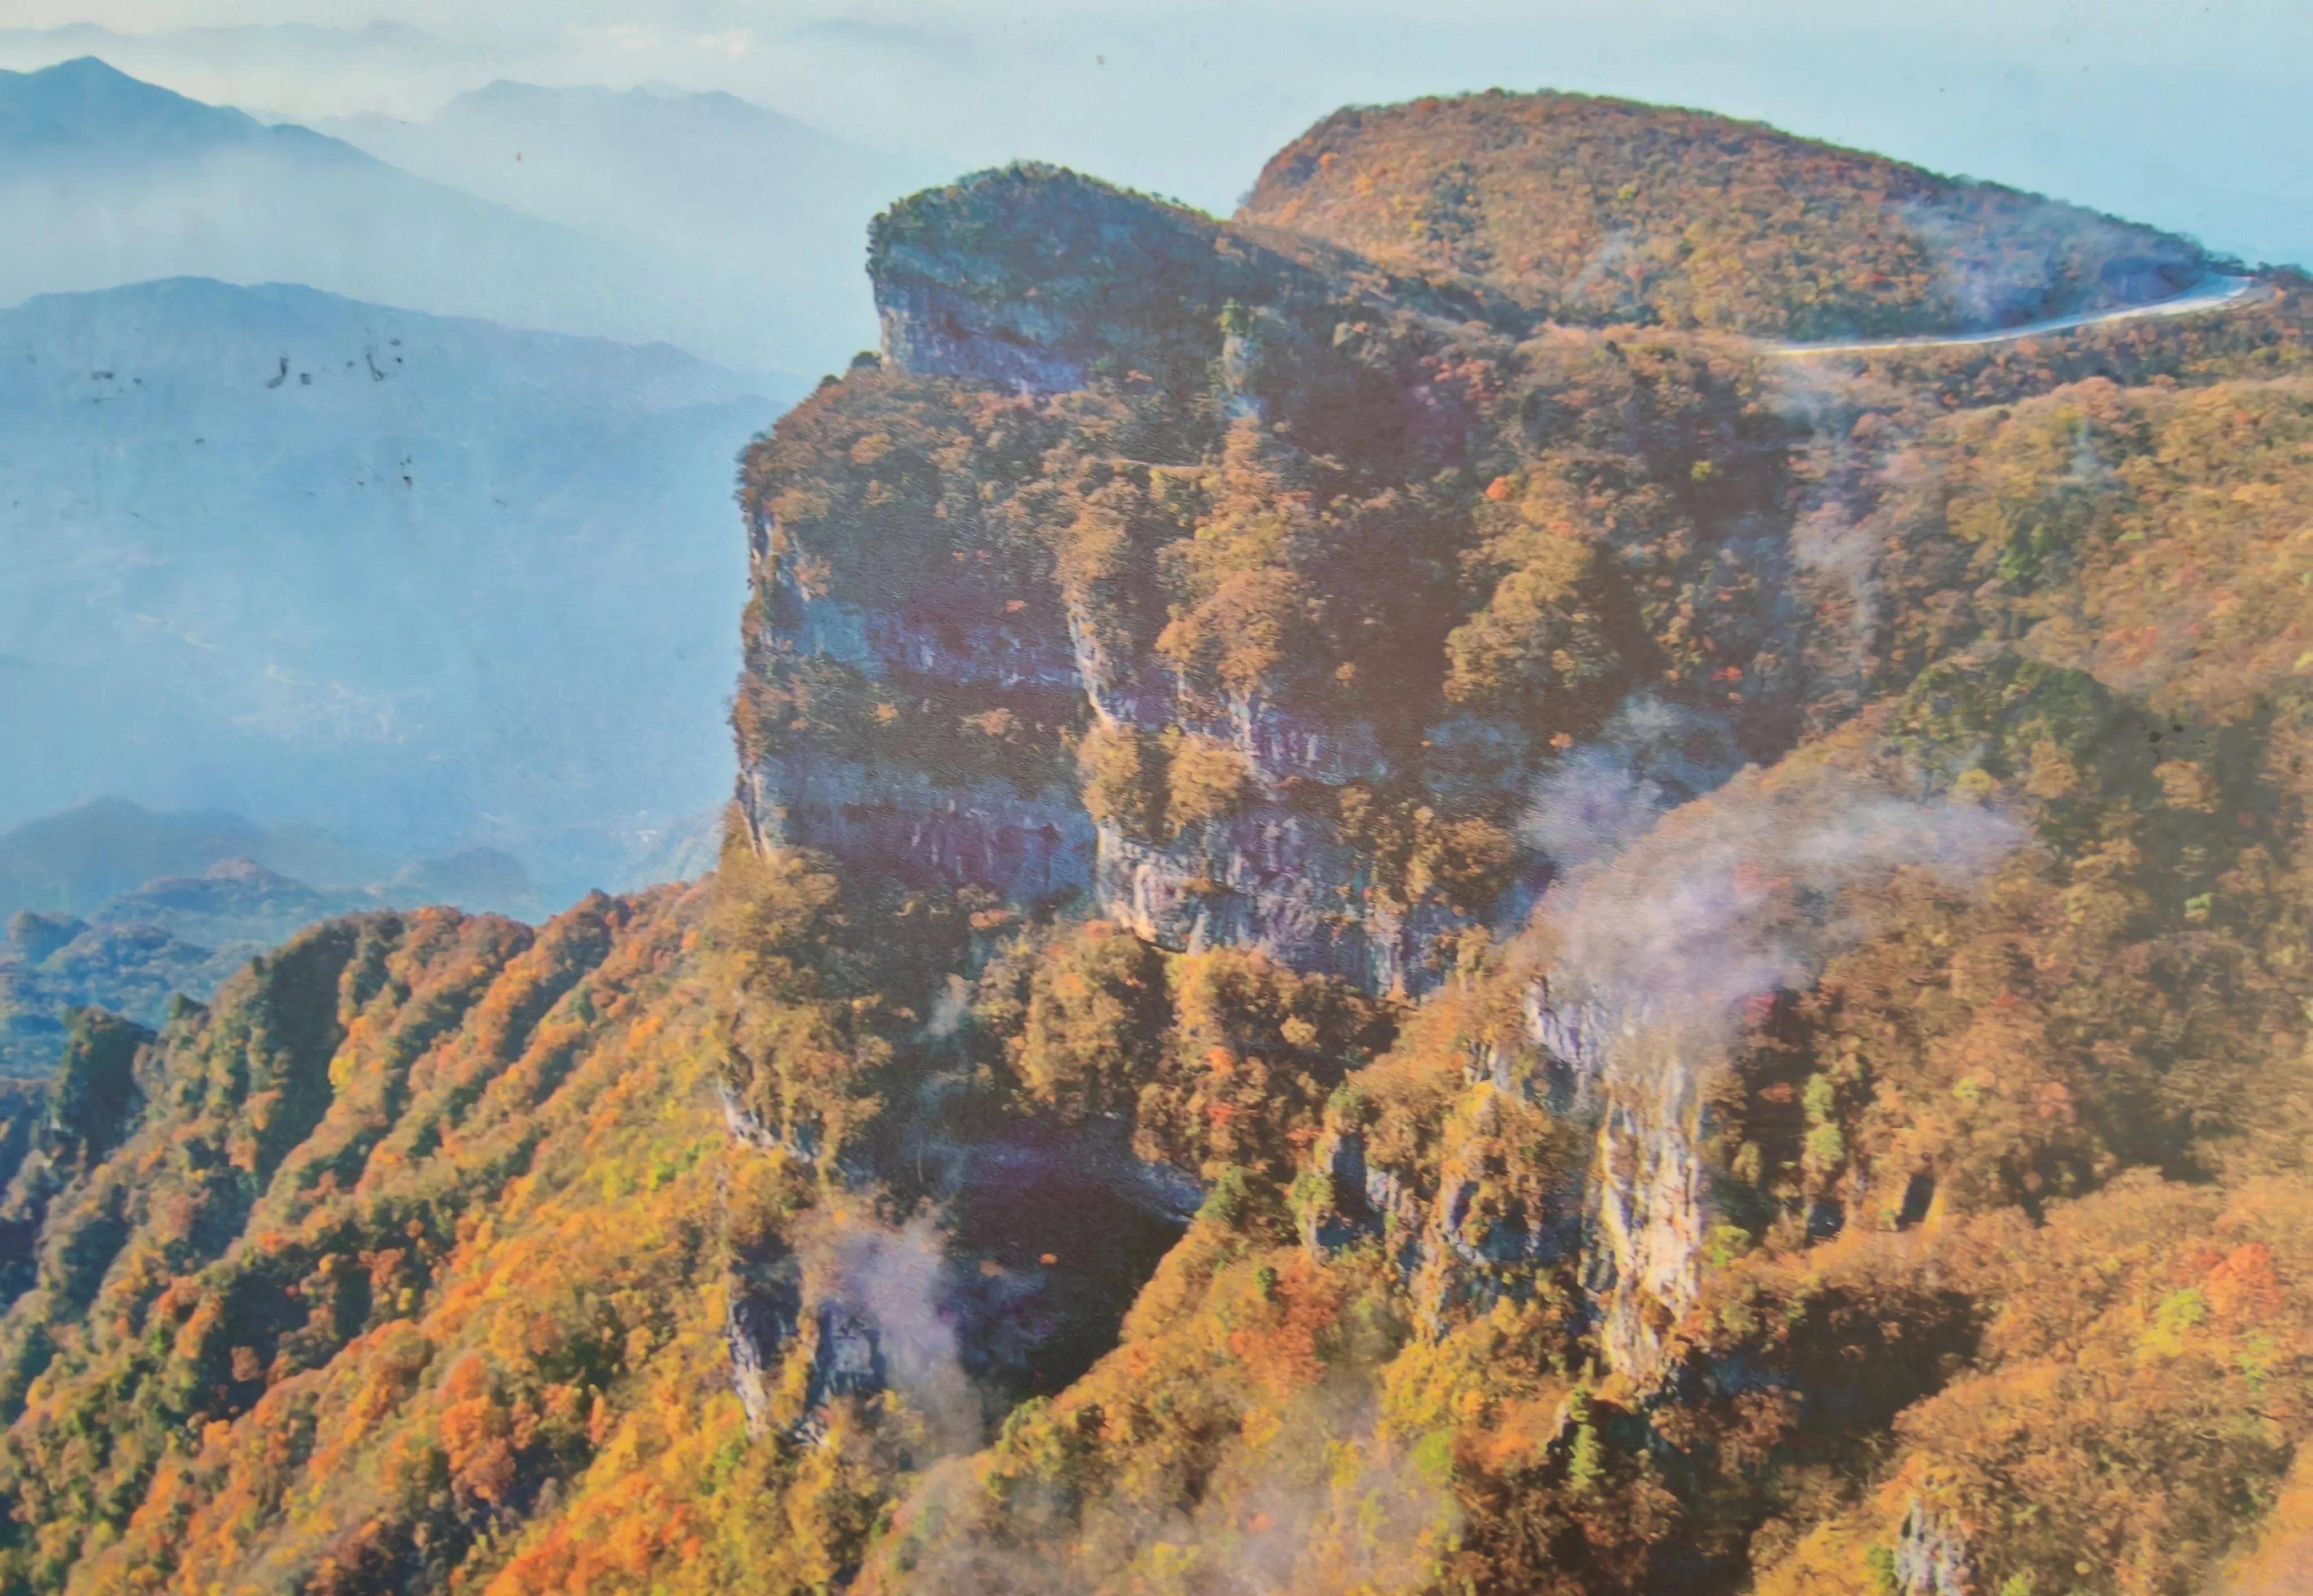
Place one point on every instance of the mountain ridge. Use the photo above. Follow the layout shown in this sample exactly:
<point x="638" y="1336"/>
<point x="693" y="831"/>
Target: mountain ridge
<point x="657" y="171"/>
<point x="118" y="202"/>
<point x="89" y="104"/>
<point x="1594" y="209"/>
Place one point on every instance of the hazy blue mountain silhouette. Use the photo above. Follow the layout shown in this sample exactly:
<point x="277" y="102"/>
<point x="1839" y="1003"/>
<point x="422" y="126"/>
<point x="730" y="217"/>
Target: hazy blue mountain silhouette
<point x="106" y="180"/>
<point x="760" y="219"/>
<point x="430" y="583"/>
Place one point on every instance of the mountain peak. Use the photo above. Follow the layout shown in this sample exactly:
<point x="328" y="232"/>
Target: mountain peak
<point x="87" y="69"/>
<point x="87" y="101"/>
<point x="1599" y="210"/>
<point x="504" y="106"/>
<point x="87" y="111"/>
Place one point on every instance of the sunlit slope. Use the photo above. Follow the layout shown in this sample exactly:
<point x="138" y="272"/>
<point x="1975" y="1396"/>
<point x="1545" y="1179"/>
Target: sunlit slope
<point x="1600" y="210"/>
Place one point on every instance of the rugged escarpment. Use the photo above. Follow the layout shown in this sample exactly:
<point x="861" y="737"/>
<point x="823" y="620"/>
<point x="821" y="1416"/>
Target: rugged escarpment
<point x="1371" y="943"/>
<point x="1315" y="624"/>
<point x="1241" y="594"/>
<point x="1725" y="1228"/>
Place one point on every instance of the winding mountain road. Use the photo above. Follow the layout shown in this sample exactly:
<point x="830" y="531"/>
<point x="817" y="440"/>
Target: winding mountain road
<point x="2210" y="294"/>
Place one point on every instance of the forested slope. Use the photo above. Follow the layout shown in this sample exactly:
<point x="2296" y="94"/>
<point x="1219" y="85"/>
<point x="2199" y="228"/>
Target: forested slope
<point x="1597" y="210"/>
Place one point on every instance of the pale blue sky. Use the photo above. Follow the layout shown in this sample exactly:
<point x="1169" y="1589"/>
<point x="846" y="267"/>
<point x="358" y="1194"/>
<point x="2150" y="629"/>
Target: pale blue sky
<point x="2188" y="116"/>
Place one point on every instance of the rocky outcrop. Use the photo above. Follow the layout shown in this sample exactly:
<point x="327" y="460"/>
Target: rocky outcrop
<point x="1560" y="1158"/>
<point x="1029" y="850"/>
<point x="911" y="818"/>
<point x="1038" y="281"/>
<point x="760" y="1323"/>
<point x="1139" y="334"/>
<point x="1572" y="1038"/>
<point x="1643" y="1230"/>
<point x="1358" y="1200"/>
<point x="929" y="640"/>
<point x="1034" y="278"/>
<point x="1644" y="1203"/>
<point x="1933" y="1556"/>
<point x="802" y="1334"/>
<point x="1274" y="880"/>
<point x="847" y="1360"/>
<point x="1029" y="276"/>
<point x="1493" y="1210"/>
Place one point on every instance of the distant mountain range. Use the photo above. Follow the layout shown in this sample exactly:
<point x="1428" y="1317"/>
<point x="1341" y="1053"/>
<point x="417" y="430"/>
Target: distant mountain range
<point x="697" y="219"/>
<point x="758" y="220"/>
<point x="120" y="906"/>
<point x="114" y="904"/>
<point x="356" y="572"/>
<point x="138" y="951"/>
<point x="95" y="856"/>
<point x="394" y="576"/>
<point x="70" y="863"/>
<point x="105" y="180"/>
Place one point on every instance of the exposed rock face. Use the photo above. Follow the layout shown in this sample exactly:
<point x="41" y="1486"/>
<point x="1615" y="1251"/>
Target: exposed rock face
<point x="1572" y="1037"/>
<point x="1663" y="997"/>
<point x="1150" y="353"/>
<point x="1029" y="850"/>
<point x="1642" y="1254"/>
<point x="1033" y="297"/>
<point x="846" y="1357"/>
<point x="766" y="1308"/>
<point x="904" y="816"/>
<point x="1932" y="1558"/>
<point x="1364" y="1201"/>
<point x="1039" y="283"/>
<point x="1645" y="1193"/>
<point x="921" y="564"/>
<point x="779" y="1316"/>
<point x="1270" y="879"/>
<point x="1032" y="277"/>
<point x="996" y="651"/>
<point x="1497" y="1208"/>
<point x="1544" y="1167"/>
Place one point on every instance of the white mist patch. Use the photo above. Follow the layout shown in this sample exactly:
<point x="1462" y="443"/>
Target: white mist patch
<point x="951" y="1006"/>
<point x="1747" y="894"/>
<point x="893" y="1284"/>
<point x="1651" y="757"/>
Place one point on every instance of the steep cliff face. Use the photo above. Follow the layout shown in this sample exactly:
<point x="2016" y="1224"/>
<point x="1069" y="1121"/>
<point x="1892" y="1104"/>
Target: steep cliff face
<point x="1032" y="278"/>
<point x="1249" y="598"/>
<point x="1577" y="1157"/>
<point x="1230" y="586"/>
